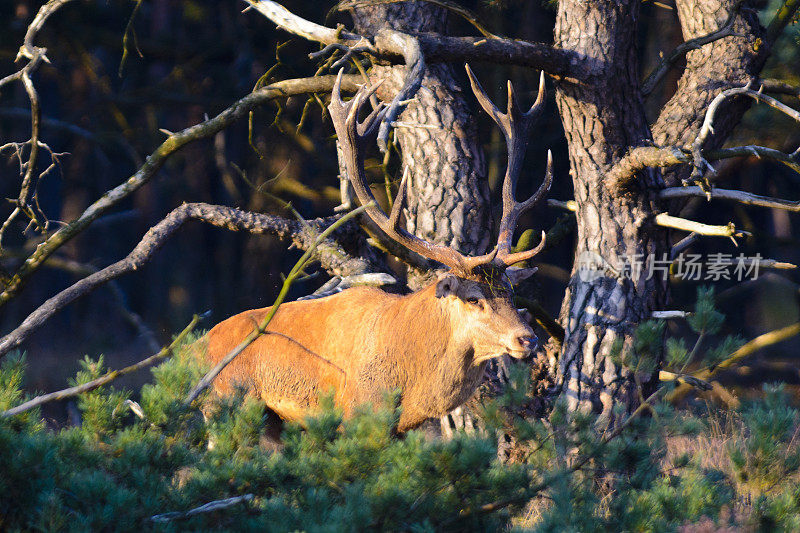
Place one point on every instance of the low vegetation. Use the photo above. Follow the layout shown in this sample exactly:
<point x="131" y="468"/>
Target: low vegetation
<point x="146" y="464"/>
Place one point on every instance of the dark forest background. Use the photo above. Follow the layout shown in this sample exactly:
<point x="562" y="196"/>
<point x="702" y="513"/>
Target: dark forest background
<point x="188" y="59"/>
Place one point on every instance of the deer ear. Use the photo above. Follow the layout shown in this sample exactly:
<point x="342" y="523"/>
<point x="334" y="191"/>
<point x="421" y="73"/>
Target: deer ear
<point x="447" y="285"/>
<point x="515" y="274"/>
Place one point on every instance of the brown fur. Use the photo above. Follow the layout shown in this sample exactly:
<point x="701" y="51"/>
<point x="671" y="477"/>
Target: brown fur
<point x="431" y="345"/>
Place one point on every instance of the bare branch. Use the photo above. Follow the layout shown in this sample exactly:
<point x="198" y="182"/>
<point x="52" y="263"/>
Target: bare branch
<point x="726" y="194"/>
<point x="778" y="87"/>
<point x="700" y="165"/>
<point x="153" y="163"/>
<point x="331" y="255"/>
<point x="668" y="221"/>
<point x="108" y="377"/>
<point x="637" y="159"/>
<point x="655" y="77"/>
<point x="436" y="48"/>
<point x="683" y="244"/>
<point x="415" y="64"/>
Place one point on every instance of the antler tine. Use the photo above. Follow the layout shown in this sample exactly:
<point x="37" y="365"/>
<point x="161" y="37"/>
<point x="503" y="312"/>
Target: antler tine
<point x="543" y="188"/>
<point x="353" y="138"/>
<point x="483" y="98"/>
<point x="517" y="257"/>
<point x="515" y="125"/>
<point x="399" y="200"/>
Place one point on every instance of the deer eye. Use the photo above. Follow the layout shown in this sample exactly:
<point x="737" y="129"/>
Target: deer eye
<point x="473" y="301"/>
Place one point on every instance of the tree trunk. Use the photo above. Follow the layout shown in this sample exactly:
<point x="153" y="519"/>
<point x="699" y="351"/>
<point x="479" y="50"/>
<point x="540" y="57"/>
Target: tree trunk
<point x="602" y="118"/>
<point x="729" y="62"/>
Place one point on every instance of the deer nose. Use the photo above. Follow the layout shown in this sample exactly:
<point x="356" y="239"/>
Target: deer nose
<point x="528" y="342"/>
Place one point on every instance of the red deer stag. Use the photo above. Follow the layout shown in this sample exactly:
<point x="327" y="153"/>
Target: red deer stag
<point x="431" y="345"/>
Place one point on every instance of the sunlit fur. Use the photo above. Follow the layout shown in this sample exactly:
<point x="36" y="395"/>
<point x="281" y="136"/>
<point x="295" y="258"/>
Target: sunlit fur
<point x="431" y="345"/>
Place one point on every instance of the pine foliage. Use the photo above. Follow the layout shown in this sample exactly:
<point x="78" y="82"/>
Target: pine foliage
<point x="124" y="471"/>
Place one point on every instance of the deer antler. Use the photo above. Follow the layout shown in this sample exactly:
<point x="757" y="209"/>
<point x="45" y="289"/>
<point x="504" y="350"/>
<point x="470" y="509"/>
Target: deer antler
<point x="354" y="138"/>
<point x="515" y="126"/>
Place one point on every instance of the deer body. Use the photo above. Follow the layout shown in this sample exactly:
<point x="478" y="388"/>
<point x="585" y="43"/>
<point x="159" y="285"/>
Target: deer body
<point x="431" y="345"/>
<point x="362" y="343"/>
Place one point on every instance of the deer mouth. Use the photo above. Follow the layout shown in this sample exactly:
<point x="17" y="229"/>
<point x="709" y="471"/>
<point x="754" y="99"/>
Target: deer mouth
<point x="519" y="354"/>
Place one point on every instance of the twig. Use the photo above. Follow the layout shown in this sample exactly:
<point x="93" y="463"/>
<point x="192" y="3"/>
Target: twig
<point x="683" y="244"/>
<point x="216" y="505"/>
<point x="726" y="194"/>
<point x="157" y="159"/>
<point x="104" y="379"/>
<point x="750" y="347"/>
<point x="261" y="327"/>
<point x="333" y="257"/>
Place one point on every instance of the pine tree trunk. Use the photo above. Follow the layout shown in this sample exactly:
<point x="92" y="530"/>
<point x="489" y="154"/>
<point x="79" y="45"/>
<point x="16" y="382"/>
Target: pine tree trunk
<point x="602" y="118"/>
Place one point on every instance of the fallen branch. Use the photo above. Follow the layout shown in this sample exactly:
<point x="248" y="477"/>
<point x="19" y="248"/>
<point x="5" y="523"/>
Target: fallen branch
<point x="104" y="379"/>
<point x="304" y="235"/>
<point x="216" y="505"/>
<point x="154" y="162"/>
<point x="762" y="341"/>
<point x="261" y="327"/>
<point x="726" y="194"/>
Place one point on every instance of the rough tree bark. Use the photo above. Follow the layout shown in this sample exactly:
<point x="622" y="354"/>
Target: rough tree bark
<point x="603" y="117"/>
<point x="723" y="64"/>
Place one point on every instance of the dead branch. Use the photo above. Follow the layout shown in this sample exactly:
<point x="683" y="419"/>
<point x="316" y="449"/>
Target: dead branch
<point x="82" y="269"/>
<point x="699" y="163"/>
<point x="26" y="202"/>
<point x="727" y="194"/>
<point x="304" y="234"/>
<point x="415" y="64"/>
<point x="436" y="48"/>
<point x="668" y="221"/>
<point x="726" y="30"/>
<point x="778" y="87"/>
<point x="154" y="162"/>
<point x="108" y="377"/>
